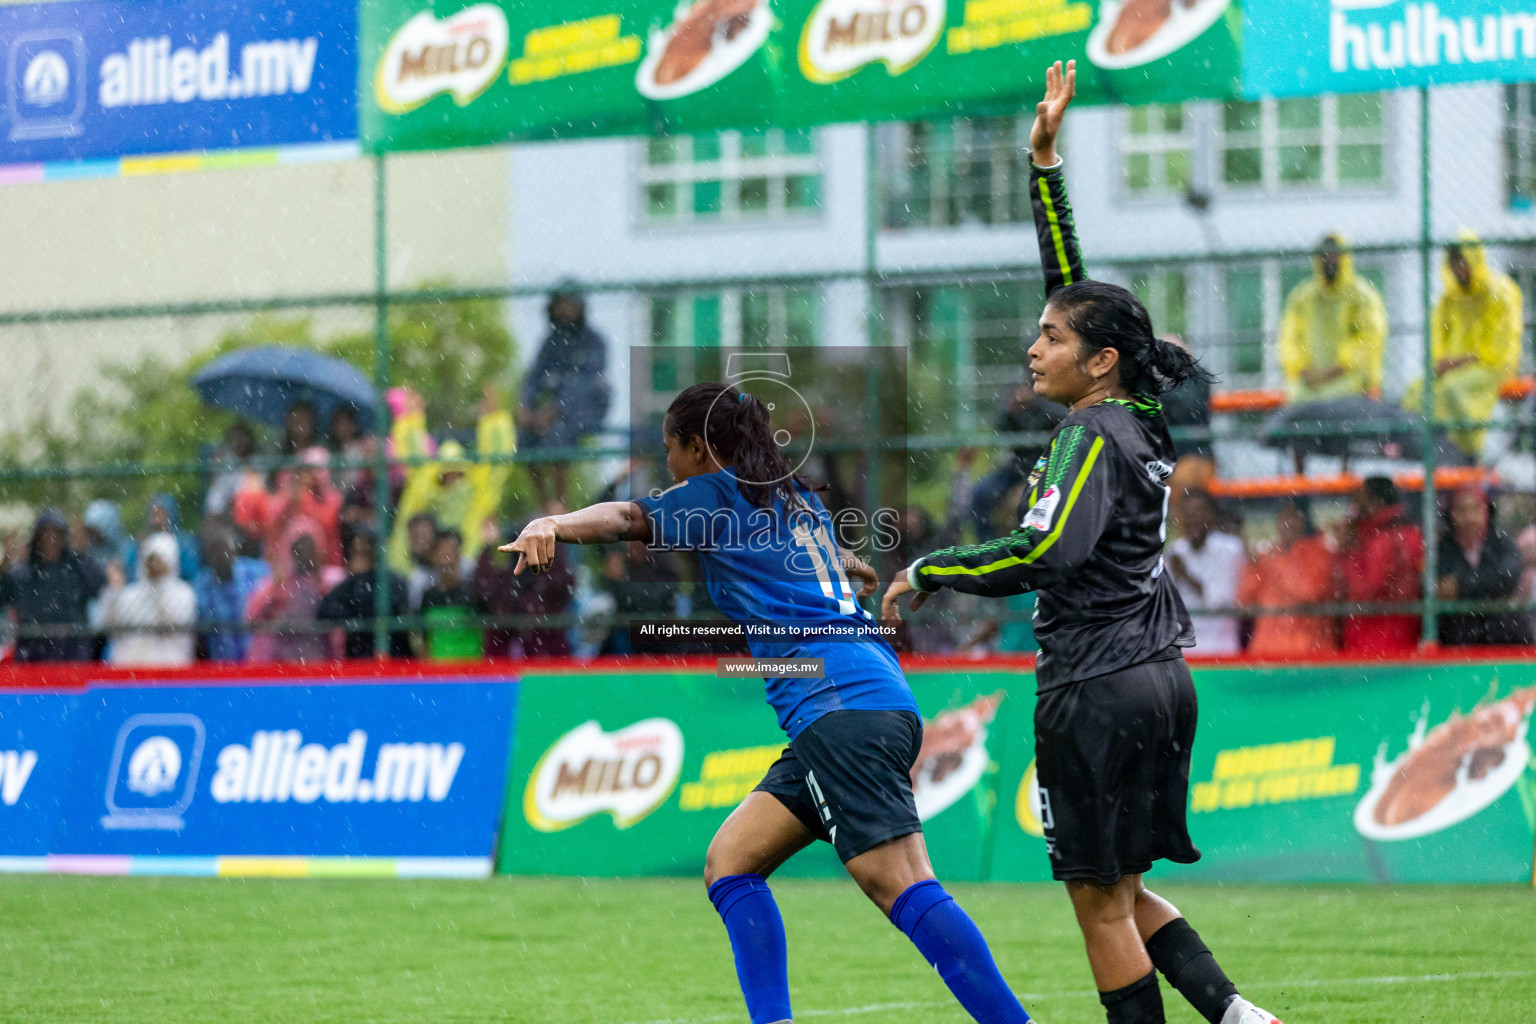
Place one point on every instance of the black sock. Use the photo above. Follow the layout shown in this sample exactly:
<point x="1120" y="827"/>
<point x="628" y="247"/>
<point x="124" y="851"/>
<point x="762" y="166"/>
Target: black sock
<point x="1138" y="1003"/>
<point x="1176" y="951"/>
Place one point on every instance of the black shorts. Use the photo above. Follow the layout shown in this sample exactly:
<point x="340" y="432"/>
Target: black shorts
<point x="848" y="778"/>
<point x="1112" y="759"/>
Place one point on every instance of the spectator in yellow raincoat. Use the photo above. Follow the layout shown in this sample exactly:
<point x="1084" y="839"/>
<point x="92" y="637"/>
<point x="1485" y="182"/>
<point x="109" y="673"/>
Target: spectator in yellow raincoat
<point x="1333" y="331"/>
<point x="458" y="494"/>
<point x="1474" y="341"/>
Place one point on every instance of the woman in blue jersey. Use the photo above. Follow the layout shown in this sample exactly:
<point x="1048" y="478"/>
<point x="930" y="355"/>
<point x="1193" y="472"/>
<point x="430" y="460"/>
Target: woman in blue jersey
<point x="765" y="543"/>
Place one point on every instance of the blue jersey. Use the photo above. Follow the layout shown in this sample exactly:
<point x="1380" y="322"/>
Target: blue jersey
<point x="767" y="569"/>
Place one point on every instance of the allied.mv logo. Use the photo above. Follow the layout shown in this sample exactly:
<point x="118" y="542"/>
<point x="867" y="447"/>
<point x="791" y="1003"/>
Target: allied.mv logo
<point x="46" y="80"/>
<point x="154" y="767"/>
<point x="153" y="776"/>
<point x="45" y="84"/>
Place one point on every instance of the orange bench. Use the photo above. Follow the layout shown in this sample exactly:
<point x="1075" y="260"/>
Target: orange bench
<point x="1447" y="478"/>
<point x="1515" y="389"/>
<point x="1256" y="400"/>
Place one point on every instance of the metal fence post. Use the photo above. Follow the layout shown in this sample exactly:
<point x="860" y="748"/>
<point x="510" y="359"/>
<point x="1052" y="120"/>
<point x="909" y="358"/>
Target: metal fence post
<point x="1429" y="514"/>
<point x="381" y="603"/>
<point x="875" y="485"/>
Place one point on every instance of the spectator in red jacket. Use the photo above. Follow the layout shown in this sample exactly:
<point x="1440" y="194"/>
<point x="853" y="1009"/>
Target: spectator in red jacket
<point x="306" y="494"/>
<point x="1382" y="560"/>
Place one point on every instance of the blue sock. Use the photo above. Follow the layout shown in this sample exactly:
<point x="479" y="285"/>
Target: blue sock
<point x="745" y="904"/>
<point x="950" y="941"/>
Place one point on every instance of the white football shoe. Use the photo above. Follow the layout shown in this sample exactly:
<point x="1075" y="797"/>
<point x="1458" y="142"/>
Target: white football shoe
<point x="1241" y="1011"/>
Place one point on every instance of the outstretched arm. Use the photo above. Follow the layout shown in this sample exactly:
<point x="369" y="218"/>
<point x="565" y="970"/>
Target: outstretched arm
<point x="606" y="523"/>
<point x="1060" y="255"/>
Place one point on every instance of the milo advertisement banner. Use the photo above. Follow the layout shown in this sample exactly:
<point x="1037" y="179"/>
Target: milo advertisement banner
<point x="438" y="73"/>
<point x="1365" y="773"/>
<point x="632" y="773"/>
<point x="1346" y="773"/>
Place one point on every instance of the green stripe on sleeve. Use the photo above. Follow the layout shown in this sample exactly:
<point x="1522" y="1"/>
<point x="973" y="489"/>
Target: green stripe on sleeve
<point x="1044" y="545"/>
<point x="1057" y="238"/>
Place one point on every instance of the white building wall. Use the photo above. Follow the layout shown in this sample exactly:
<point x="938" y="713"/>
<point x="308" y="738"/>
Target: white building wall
<point x="261" y="233"/>
<point x="575" y="214"/>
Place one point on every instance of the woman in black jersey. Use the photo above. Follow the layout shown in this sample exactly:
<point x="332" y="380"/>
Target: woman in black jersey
<point x="1116" y="712"/>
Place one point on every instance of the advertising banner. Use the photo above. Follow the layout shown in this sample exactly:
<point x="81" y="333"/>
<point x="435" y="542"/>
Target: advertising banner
<point x="1363" y="773"/>
<point x="36" y="755"/>
<point x="93" y="80"/>
<point x="407" y="776"/>
<point x="1375" y="773"/>
<point x="633" y="773"/>
<point x="437" y="73"/>
<point x="1306" y="47"/>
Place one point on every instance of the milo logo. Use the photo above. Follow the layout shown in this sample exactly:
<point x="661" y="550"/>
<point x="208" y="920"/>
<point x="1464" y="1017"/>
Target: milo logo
<point x="461" y="55"/>
<point x="842" y="36"/>
<point x="626" y="774"/>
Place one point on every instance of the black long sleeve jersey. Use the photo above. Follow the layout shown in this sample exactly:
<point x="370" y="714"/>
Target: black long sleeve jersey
<point x="1094" y="516"/>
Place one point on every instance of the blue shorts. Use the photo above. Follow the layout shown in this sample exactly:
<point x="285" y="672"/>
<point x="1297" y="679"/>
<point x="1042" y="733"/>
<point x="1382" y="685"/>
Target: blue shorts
<point x="848" y="778"/>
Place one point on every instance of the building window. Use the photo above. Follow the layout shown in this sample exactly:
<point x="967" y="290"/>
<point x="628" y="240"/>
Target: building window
<point x="1315" y="142"/>
<point x="1165" y="293"/>
<point x="1155" y="150"/>
<point x="690" y="331"/>
<point x="730" y="176"/>
<point x="964" y="171"/>
<point x="1520" y="145"/>
<point x="1242" y="362"/>
<point x="967" y="345"/>
<point x="769" y="316"/>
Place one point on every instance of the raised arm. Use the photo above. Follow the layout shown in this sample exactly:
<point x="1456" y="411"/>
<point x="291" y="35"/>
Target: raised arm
<point x="1060" y="255"/>
<point x="607" y="523"/>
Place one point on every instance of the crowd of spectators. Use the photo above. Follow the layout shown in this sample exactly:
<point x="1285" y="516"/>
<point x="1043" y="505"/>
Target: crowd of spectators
<point x="283" y="566"/>
<point x="1281" y="597"/>
<point x="1333" y="341"/>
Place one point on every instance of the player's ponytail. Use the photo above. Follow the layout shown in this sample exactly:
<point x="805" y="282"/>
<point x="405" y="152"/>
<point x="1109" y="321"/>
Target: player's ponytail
<point x="735" y="424"/>
<point x="1108" y="316"/>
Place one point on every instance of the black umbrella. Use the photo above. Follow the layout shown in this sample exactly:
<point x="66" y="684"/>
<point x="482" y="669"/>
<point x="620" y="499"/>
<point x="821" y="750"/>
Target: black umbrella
<point x="1352" y="425"/>
<point x="263" y="384"/>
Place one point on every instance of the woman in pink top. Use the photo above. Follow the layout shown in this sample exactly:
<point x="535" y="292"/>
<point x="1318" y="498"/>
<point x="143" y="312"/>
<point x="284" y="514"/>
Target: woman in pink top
<point x="1298" y="569"/>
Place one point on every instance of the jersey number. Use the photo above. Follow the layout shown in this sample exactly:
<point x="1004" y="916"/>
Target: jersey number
<point x="828" y="567"/>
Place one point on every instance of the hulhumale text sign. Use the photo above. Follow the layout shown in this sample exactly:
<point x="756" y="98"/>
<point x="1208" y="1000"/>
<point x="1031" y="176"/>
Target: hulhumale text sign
<point x="389" y="777"/>
<point x="1311" y="46"/>
<point x="103" y="79"/>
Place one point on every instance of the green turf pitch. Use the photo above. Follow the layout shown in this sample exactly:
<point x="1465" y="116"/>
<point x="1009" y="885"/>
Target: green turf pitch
<point x="564" y="951"/>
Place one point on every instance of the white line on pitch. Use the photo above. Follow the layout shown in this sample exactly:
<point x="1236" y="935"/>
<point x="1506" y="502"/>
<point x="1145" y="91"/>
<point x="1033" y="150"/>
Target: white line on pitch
<point x="1029" y="997"/>
<point x="1395" y="979"/>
